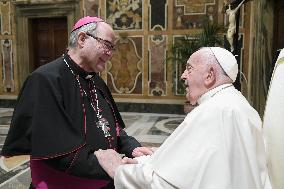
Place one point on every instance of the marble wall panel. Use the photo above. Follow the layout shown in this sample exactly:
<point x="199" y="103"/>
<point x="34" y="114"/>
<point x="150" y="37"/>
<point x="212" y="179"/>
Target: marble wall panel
<point x="5" y="14"/>
<point x="157" y="65"/>
<point x="7" y="65"/>
<point x="158" y="14"/>
<point x="126" y="66"/>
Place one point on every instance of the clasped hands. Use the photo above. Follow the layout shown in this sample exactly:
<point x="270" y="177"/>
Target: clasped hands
<point x="110" y="160"/>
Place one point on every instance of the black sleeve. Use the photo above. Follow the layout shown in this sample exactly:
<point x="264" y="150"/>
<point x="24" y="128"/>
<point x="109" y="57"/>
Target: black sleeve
<point x="81" y="163"/>
<point x="126" y="144"/>
<point x="40" y="111"/>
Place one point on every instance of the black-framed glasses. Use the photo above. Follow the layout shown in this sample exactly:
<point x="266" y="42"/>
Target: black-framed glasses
<point x="107" y="45"/>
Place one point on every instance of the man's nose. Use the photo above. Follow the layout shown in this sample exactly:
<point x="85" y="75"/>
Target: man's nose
<point x="183" y="75"/>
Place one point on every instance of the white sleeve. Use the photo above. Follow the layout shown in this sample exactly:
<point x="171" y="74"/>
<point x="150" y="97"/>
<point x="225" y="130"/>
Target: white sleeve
<point x="142" y="159"/>
<point x="139" y="176"/>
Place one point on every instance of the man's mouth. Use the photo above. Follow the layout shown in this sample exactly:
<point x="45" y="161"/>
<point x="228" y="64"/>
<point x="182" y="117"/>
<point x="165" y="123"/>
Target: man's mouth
<point x="186" y="87"/>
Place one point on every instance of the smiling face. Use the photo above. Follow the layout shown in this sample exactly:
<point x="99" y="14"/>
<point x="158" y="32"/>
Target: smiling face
<point x="97" y="49"/>
<point x="195" y="76"/>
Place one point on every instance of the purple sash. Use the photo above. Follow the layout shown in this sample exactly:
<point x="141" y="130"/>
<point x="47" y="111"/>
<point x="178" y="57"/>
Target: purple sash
<point x="45" y="177"/>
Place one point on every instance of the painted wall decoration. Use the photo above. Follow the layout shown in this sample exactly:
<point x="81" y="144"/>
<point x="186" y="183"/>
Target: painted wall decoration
<point x="157" y="65"/>
<point x="158" y="19"/>
<point x="91" y="7"/>
<point x="191" y="14"/>
<point x="125" y="14"/>
<point x="125" y="67"/>
<point x="7" y="65"/>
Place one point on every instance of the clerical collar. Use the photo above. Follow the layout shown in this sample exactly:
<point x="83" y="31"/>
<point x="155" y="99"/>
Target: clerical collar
<point x="213" y="92"/>
<point x="77" y="69"/>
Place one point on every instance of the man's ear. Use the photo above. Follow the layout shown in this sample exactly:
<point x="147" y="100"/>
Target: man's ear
<point x="211" y="77"/>
<point x="81" y="39"/>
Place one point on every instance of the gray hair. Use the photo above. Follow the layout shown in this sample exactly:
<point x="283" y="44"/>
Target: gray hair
<point x="90" y="28"/>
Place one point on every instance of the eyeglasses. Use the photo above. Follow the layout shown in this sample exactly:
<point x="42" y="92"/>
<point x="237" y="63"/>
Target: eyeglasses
<point x="189" y="68"/>
<point x="107" y="45"/>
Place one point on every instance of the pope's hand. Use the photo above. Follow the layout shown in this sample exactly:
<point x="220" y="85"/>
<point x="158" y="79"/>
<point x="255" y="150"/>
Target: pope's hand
<point x="140" y="151"/>
<point x="109" y="160"/>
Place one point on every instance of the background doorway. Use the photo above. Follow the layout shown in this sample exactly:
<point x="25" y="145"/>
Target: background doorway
<point x="49" y="39"/>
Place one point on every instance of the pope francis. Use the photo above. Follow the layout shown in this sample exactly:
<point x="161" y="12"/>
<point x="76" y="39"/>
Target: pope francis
<point x="219" y="145"/>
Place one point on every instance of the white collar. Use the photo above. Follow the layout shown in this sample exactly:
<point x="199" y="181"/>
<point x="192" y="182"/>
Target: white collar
<point x="212" y="92"/>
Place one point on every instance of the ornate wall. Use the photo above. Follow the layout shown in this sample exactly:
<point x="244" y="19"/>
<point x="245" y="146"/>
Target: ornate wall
<point x="145" y="30"/>
<point x="138" y="71"/>
<point x="8" y="69"/>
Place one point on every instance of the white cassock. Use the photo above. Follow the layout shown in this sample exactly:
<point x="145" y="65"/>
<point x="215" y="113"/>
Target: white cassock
<point x="219" y="145"/>
<point x="273" y="124"/>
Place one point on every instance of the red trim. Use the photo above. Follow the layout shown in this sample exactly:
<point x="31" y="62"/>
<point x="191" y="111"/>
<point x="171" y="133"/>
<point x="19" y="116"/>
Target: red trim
<point x="57" y="155"/>
<point x="72" y="162"/>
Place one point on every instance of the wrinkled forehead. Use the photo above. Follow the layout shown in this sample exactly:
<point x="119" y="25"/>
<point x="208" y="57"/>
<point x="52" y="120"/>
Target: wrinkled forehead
<point x="196" y="59"/>
<point x="105" y="28"/>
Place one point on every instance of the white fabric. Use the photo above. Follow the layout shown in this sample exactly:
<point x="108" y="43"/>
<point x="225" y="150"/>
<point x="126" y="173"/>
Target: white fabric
<point x="227" y="61"/>
<point x="273" y="125"/>
<point x="139" y="176"/>
<point x="219" y="145"/>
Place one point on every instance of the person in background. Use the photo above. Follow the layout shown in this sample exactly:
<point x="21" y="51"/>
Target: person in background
<point x="218" y="145"/>
<point x="65" y="112"/>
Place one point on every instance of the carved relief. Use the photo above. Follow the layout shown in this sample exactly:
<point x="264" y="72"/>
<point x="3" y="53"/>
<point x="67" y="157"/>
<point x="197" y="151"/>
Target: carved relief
<point x="241" y="19"/>
<point x="8" y="80"/>
<point x="124" y="14"/>
<point x="157" y="66"/>
<point x="125" y="67"/>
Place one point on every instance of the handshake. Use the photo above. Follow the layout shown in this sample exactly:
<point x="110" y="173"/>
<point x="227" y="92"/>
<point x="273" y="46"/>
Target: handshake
<point x="110" y="160"/>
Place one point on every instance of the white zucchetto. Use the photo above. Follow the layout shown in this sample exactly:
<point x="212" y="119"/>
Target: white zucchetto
<point x="227" y="61"/>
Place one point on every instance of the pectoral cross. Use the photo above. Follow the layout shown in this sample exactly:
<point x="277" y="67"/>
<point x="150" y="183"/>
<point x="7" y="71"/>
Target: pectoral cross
<point x="103" y="124"/>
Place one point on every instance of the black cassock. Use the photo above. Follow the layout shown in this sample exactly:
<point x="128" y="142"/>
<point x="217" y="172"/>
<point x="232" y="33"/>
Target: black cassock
<point x="55" y="120"/>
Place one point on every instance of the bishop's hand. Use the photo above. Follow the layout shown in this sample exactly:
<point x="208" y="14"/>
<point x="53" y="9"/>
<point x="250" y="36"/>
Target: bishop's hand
<point x="109" y="160"/>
